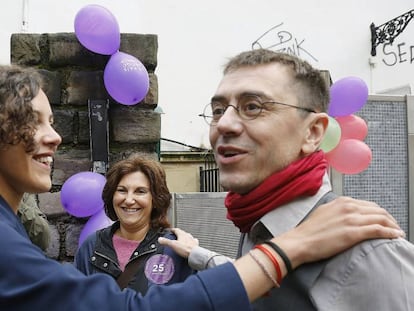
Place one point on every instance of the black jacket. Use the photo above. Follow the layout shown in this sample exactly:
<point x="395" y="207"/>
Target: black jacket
<point x="158" y="264"/>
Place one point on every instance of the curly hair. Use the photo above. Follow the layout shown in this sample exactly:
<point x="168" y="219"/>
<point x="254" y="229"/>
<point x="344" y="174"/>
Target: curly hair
<point x="311" y="89"/>
<point x="161" y="196"/>
<point x="18" y="121"/>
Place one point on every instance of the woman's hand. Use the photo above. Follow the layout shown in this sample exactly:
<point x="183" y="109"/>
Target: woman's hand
<point x="336" y="226"/>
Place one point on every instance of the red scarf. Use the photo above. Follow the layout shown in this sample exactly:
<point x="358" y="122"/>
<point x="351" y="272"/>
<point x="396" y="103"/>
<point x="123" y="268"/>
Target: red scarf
<point x="300" y="178"/>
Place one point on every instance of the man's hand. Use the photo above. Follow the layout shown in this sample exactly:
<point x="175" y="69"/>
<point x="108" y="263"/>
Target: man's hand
<point x="183" y="245"/>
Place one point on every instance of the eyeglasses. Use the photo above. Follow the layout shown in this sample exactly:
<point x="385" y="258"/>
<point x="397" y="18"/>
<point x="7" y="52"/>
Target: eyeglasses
<point x="248" y="108"/>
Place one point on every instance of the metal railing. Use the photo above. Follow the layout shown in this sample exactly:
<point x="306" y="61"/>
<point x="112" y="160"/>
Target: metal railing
<point x="210" y="175"/>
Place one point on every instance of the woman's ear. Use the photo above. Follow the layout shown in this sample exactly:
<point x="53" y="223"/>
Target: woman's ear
<point x="315" y="132"/>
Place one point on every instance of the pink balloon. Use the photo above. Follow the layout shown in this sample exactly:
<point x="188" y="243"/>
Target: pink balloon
<point x="97" y="29"/>
<point x="351" y="156"/>
<point x="81" y="194"/>
<point x="126" y="79"/>
<point x="348" y="95"/>
<point x="96" y="222"/>
<point x="352" y="126"/>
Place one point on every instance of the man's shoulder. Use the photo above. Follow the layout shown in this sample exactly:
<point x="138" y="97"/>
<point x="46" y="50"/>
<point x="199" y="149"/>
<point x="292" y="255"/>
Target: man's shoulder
<point x="367" y="277"/>
<point x="384" y="245"/>
<point x="375" y="246"/>
<point x="371" y="255"/>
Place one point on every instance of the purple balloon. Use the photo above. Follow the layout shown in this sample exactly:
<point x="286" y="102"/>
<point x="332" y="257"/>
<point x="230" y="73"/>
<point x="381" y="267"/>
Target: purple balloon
<point x="126" y="79"/>
<point x="81" y="194"/>
<point x="348" y="95"/>
<point x="97" y="29"/>
<point x="96" y="222"/>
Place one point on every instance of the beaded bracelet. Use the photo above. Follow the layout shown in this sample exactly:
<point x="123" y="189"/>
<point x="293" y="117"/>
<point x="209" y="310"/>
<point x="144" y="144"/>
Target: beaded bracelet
<point x="282" y="255"/>
<point x="264" y="269"/>
<point x="274" y="261"/>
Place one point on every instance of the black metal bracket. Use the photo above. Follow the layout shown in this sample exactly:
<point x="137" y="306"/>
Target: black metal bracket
<point x="387" y="32"/>
<point x="98" y="134"/>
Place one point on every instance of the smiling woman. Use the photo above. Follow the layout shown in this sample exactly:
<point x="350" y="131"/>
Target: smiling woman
<point x="137" y="198"/>
<point x="28" y="140"/>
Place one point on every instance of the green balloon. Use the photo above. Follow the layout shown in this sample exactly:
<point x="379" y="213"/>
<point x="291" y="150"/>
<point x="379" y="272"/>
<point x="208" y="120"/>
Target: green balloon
<point x="332" y="135"/>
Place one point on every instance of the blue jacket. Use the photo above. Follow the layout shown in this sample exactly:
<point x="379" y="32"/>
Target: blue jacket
<point x="157" y="264"/>
<point x="31" y="281"/>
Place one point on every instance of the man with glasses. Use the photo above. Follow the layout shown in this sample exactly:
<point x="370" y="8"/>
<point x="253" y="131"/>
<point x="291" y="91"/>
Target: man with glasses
<point x="267" y="120"/>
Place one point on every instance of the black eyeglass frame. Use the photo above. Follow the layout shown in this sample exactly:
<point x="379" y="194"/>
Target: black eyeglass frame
<point x="210" y="121"/>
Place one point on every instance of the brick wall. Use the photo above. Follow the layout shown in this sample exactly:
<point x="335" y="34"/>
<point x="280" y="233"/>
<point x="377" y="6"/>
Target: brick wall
<point x="74" y="75"/>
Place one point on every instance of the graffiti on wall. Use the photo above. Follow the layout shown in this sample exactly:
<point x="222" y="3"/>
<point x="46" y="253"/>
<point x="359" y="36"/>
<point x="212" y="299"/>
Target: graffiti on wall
<point x="279" y="39"/>
<point x="395" y="54"/>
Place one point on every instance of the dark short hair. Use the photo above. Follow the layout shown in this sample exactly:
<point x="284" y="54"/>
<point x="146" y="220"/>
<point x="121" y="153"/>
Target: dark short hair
<point x="311" y="88"/>
<point x="18" y="121"/>
<point x="152" y="169"/>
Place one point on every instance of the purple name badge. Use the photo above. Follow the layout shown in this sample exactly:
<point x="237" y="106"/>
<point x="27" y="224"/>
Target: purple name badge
<point x="159" y="269"/>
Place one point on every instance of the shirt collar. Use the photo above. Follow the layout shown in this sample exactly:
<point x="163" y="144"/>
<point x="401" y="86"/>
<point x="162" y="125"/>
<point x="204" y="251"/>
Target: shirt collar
<point x="289" y="215"/>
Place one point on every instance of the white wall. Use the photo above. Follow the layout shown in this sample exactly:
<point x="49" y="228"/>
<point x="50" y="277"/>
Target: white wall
<point x="196" y="37"/>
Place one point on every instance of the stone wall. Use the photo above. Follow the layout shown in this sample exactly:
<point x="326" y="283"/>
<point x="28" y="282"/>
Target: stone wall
<point x="74" y="75"/>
